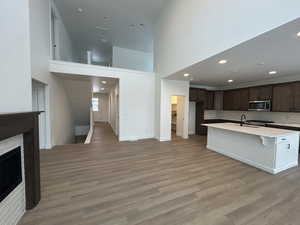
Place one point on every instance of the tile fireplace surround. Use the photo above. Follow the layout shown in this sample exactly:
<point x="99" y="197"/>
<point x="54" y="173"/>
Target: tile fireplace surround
<point x="21" y="130"/>
<point x="12" y="208"/>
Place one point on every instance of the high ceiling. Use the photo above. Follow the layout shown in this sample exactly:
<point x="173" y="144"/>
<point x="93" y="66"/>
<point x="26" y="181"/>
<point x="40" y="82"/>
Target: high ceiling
<point x="277" y="50"/>
<point x="100" y="24"/>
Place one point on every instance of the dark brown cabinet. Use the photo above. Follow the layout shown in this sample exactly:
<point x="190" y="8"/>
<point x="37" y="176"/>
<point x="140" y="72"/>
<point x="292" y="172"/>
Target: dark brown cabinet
<point x="260" y="93"/>
<point x="282" y="98"/>
<point x="296" y="97"/>
<point x="200" y="130"/>
<point x="228" y="100"/>
<point x="194" y="94"/>
<point x="286" y="97"/>
<point x="210" y="100"/>
<point x="244" y="99"/>
<point x="200" y="95"/>
<point x="236" y="99"/>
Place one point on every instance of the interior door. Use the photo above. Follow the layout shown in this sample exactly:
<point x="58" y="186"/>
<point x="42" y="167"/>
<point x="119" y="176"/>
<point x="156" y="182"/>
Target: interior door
<point x="192" y="118"/>
<point x="180" y="116"/>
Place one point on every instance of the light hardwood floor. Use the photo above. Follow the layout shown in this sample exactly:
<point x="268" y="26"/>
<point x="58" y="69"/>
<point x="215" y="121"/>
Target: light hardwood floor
<point x="153" y="183"/>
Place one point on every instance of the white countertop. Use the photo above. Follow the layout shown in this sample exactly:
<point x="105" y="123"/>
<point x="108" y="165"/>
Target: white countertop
<point x="259" y="131"/>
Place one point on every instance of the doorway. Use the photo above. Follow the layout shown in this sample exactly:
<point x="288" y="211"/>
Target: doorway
<point x="177" y="116"/>
<point x="39" y="104"/>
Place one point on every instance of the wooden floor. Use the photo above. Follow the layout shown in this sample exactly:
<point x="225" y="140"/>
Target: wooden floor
<point x="103" y="134"/>
<point x="153" y="183"/>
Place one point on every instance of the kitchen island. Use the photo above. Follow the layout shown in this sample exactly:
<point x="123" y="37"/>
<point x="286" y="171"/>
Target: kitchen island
<point x="269" y="149"/>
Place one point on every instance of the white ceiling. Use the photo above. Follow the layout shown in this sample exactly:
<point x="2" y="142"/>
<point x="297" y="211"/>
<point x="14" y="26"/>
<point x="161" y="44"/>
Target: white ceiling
<point x="251" y="61"/>
<point x="96" y="83"/>
<point x="114" y="18"/>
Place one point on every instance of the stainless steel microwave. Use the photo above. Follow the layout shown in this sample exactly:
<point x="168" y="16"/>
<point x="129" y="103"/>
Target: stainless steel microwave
<point x="264" y="106"/>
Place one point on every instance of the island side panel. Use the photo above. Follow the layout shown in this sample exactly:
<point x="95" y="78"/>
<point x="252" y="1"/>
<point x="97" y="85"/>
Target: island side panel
<point x="250" y="149"/>
<point x="287" y="152"/>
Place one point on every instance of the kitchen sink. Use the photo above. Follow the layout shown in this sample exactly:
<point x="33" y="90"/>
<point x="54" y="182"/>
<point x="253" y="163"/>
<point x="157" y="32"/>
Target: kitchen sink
<point x="247" y="125"/>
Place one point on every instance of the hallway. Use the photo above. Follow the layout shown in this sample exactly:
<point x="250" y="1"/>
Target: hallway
<point x="103" y="134"/>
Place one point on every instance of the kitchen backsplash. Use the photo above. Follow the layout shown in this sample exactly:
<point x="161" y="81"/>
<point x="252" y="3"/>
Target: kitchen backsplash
<point x="277" y="117"/>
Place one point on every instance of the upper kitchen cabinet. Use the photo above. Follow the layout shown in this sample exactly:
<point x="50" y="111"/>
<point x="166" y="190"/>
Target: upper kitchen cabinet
<point x="200" y="95"/>
<point x="244" y="99"/>
<point x="296" y="97"/>
<point x="260" y="93"/>
<point x="194" y="94"/>
<point x="228" y="100"/>
<point x="236" y="99"/>
<point x="210" y="100"/>
<point x="283" y="98"/>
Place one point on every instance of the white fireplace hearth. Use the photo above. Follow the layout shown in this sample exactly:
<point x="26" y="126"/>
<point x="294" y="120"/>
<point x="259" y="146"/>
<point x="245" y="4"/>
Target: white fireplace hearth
<point x="12" y="208"/>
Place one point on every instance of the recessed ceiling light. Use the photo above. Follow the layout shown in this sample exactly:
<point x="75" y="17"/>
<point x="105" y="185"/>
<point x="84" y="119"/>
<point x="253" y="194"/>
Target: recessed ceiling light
<point x="273" y="72"/>
<point x="223" y="61"/>
<point x="80" y="10"/>
<point x="298" y="35"/>
<point x="104" y="82"/>
<point x="230" y="81"/>
<point x="102" y="89"/>
<point x="186" y="74"/>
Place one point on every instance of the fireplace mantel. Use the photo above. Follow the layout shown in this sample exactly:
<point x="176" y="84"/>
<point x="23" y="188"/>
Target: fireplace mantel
<point x="26" y="123"/>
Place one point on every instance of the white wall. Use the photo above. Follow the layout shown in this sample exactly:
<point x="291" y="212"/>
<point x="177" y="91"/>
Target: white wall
<point x="15" y="74"/>
<point x="132" y="59"/>
<point x="102" y="114"/>
<point x="136" y="96"/>
<point x="171" y="88"/>
<point x="80" y="94"/>
<point x="114" y="109"/>
<point x="190" y="31"/>
<point x="60" y="117"/>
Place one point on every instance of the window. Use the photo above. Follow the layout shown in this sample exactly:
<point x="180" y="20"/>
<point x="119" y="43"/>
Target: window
<point x="95" y="104"/>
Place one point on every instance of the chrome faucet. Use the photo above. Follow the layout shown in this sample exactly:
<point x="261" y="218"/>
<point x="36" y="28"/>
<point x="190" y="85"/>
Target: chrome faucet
<point x="243" y="119"/>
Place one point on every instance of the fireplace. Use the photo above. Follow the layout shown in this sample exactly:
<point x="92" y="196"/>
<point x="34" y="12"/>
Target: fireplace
<point x="25" y="125"/>
<point x="10" y="172"/>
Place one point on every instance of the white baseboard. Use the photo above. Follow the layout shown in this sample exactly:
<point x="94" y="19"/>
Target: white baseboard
<point x="164" y="140"/>
<point x="289" y="166"/>
<point x="135" y="138"/>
